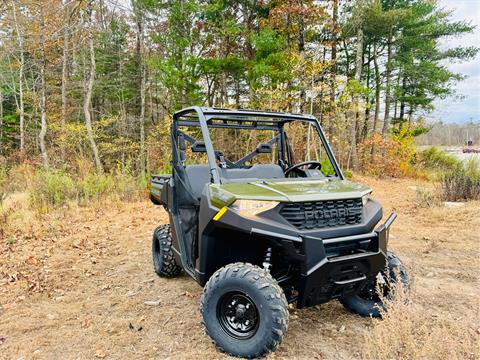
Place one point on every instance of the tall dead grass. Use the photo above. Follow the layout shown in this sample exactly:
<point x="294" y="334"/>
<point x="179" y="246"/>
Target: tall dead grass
<point x="456" y="180"/>
<point x="462" y="184"/>
<point x="54" y="188"/>
<point x="409" y="331"/>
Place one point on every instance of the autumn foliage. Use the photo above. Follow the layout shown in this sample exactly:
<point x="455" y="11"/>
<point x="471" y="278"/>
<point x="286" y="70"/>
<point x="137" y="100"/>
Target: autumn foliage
<point x="387" y="157"/>
<point x="99" y="80"/>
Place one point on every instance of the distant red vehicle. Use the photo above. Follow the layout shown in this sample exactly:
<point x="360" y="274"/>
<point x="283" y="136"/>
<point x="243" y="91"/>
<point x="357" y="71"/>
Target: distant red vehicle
<point x="471" y="151"/>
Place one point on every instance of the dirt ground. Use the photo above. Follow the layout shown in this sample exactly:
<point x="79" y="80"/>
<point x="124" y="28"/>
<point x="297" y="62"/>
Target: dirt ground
<point x="78" y="284"/>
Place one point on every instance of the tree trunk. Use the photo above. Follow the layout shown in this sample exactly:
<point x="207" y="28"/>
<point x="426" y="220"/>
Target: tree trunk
<point x="386" y="121"/>
<point x="367" y="100"/>
<point x="377" y="88"/>
<point x="301" y="51"/>
<point x="223" y="90"/>
<point x="43" y="95"/>
<point x="1" y="122"/>
<point x="333" y="82"/>
<point x="122" y="126"/>
<point x="402" y="100"/>
<point x="320" y="95"/>
<point x="88" y="96"/>
<point x="410" y="117"/>
<point x="237" y="93"/>
<point x="141" y="118"/>
<point x="63" y="113"/>
<point x="358" y="78"/>
<point x="21" y="108"/>
<point x="150" y="103"/>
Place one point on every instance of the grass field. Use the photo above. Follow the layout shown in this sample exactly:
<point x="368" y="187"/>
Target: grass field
<point x="78" y="283"/>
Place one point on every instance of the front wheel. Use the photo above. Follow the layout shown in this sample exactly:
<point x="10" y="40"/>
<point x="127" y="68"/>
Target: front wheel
<point x="368" y="302"/>
<point x="244" y="310"/>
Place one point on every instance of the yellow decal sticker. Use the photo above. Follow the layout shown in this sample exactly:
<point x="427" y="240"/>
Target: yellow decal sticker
<point x="220" y="213"/>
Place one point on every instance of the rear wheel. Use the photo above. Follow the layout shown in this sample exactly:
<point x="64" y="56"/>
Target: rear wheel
<point x="369" y="302"/>
<point x="163" y="260"/>
<point x="244" y="310"/>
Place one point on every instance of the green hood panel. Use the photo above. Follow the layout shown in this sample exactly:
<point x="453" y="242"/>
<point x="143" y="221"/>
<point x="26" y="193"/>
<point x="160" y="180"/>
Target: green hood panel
<point x="285" y="190"/>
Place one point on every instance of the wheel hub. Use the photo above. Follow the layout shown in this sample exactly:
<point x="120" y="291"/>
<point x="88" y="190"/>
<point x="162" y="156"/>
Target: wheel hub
<point x="238" y="315"/>
<point x="240" y="311"/>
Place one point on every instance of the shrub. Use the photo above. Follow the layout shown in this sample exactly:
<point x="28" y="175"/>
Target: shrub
<point x="457" y="180"/>
<point x="51" y="188"/>
<point x="425" y="198"/>
<point x="3" y="183"/>
<point x="327" y="167"/>
<point x="95" y="186"/>
<point x="348" y="174"/>
<point x="18" y="178"/>
<point x="462" y="183"/>
<point x="127" y="187"/>
<point x="435" y="159"/>
<point x="380" y="156"/>
<point x="55" y="188"/>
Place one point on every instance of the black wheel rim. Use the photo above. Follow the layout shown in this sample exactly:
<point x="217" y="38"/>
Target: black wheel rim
<point x="371" y="291"/>
<point x="238" y="315"/>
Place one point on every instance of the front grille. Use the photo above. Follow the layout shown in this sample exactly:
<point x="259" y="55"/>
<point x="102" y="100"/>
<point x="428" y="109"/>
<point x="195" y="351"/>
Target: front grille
<point x="322" y="214"/>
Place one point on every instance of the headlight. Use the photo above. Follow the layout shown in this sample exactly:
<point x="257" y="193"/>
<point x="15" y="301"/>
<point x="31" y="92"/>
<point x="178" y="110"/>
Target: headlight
<point x="365" y="199"/>
<point x="253" y="207"/>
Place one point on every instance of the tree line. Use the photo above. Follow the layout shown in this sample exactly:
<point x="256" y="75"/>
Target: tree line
<point x="451" y="135"/>
<point x="98" y="80"/>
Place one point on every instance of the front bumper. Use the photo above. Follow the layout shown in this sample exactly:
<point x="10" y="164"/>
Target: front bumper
<point x="326" y="263"/>
<point x="325" y="275"/>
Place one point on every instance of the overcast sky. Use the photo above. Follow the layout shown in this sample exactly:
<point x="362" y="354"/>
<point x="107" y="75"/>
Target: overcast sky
<point x="465" y="105"/>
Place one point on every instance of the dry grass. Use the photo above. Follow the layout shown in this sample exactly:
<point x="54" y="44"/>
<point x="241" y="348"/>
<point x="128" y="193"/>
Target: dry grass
<point x="74" y="282"/>
<point x="462" y="183"/>
<point x="409" y="331"/>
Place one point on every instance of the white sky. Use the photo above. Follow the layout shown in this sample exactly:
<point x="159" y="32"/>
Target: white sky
<point x="465" y="104"/>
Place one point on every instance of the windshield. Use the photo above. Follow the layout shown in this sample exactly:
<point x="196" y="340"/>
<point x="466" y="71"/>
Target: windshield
<point x="250" y="143"/>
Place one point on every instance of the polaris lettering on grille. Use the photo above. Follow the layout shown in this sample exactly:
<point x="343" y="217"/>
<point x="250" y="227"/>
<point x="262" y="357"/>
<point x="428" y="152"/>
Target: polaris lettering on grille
<point x="331" y="214"/>
<point x="321" y="214"/>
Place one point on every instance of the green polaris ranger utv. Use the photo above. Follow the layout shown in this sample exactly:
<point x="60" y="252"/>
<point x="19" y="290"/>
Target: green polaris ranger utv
<point x="261" y="216"/>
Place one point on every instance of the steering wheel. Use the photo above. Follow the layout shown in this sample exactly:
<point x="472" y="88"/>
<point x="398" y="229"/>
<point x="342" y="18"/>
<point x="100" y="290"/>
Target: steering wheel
<point x="296" y="168"/>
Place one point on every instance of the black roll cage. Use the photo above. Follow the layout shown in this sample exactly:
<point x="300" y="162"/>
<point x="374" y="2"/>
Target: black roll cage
<point x="209" y="117"/>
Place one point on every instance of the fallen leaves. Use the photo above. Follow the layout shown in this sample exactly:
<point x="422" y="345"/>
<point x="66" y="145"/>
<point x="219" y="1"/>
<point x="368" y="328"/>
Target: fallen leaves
<point x="52" y="316"/>
<point x="86" y="323"/>
<point x="189" y="295"/>
<point x="100" y="354"/>
<point x="31" y="260"/>
<point x="152" y="302"/>
<point x="138" y="328"/>
<point x="131" y="292"/>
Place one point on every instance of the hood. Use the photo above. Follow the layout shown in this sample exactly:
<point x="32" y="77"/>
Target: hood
<point x="287" y="190"/>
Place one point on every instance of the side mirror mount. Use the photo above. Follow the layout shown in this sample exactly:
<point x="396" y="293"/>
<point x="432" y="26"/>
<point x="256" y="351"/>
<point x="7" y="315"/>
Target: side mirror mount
<point x="264" y="149"/>
<point x="199" y="147"/>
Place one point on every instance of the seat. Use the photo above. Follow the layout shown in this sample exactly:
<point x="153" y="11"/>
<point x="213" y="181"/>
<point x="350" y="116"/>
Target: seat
<point x="198" y="176"/>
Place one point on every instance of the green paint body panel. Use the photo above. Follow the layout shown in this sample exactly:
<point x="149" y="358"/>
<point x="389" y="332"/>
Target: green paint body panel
<point x="287" y="190"/>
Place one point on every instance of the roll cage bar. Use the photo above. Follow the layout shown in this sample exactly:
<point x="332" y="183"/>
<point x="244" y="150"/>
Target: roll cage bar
<point x="206" y="117"/>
